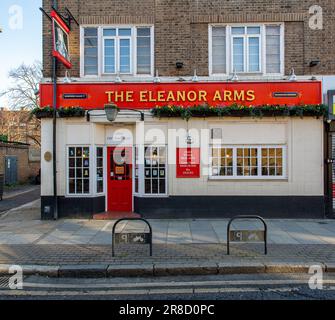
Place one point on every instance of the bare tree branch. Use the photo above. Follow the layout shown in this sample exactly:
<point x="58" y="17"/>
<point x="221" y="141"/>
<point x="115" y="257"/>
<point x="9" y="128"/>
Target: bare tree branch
<point x="23" y="93"/>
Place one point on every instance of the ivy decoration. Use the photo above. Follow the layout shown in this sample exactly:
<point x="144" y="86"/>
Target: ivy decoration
<point x="236" y="110"/>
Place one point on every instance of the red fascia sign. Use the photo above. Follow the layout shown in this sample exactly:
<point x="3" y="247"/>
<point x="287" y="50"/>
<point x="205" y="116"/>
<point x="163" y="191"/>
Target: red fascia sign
<point x="60" y="33"/>
<point x="188" y="162"/>
<point x="150" y="95"/>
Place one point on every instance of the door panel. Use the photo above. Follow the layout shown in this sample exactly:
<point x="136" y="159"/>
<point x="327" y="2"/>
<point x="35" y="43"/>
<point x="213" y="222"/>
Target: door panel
<point x="10" y="170"/>
<point x="119" y="175"/>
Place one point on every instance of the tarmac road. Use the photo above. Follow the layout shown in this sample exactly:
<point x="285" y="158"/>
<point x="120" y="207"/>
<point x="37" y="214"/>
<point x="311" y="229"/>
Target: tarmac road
<point x="224" y="287"/>
<point x="20" y="199"/>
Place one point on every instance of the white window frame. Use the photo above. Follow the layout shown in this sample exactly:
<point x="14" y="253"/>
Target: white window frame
<point x="141" y="174"/>
<point x="229" y="49"/>
<point x="91" y="167"/>
<point x="103" y="55"/>
<point x="259" y="162"/>
<point x="95" y="188"/>
<point x="133" y="50"/>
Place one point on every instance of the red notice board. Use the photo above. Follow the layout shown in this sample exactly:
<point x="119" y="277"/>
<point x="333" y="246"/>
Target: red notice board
<point x="188" y="162"/>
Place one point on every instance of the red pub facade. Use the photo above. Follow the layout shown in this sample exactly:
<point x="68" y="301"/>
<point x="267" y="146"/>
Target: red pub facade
<point x="231" y="131"/>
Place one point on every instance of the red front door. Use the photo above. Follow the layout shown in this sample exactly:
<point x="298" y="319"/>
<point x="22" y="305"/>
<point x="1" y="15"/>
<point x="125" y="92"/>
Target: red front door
<point x="119" y="175"/>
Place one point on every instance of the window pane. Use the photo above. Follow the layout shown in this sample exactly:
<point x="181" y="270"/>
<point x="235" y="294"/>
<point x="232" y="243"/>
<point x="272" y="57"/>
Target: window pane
<point x="109" y="52"/>
<point x="90" y="32"/>
<point x="238" y="30"/>
<point x="78" y="168"/>
<point x="125" y="32"/>
<point x="143" y="51"/>
<point x="219" y="50"/>
<point x="273" y="49"/>
<point x="254" y="52"/>
<point x="238" y="54"/>
<point x="90" y="51"/>
<point x="125" y="56"/>
<point x="143" y="32"/>
<point x="253" y="30"/>
<point x="109" y="32"/>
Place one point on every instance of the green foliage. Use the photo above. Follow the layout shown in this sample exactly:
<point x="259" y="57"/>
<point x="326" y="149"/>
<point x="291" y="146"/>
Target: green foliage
<point x="47" y="112"/>
<point x="3" y="138"/>
<point x="236" y="110"/>
<point x="71" y="112"/>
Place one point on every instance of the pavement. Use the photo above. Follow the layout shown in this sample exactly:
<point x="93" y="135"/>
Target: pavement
<point x="18" y="196"/>
<point x="82" y="248"/>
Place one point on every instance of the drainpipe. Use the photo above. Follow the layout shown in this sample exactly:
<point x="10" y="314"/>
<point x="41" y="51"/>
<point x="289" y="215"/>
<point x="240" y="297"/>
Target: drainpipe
<point x="54" y="142"/>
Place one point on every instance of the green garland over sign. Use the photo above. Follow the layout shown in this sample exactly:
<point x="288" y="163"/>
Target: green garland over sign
<point x="235" y="110"/>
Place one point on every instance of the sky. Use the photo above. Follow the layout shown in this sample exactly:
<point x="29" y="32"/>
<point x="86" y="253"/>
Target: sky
<point x="21" y="37"/>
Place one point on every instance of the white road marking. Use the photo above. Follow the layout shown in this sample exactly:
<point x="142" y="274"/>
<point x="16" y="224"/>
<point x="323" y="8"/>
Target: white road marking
<point x="172" y="284"/>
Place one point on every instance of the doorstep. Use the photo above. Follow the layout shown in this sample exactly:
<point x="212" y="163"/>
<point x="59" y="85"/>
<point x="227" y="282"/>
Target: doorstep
<point x="115" y="215"/>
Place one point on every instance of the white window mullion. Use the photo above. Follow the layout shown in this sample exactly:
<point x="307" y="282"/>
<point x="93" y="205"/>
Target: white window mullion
<point x="259" y="161"/>
<point x="100" y="52"/>
<point x="234" y="162"/>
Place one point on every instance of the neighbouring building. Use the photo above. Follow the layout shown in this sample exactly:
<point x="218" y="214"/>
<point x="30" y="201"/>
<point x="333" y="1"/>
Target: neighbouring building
<point x="182" y="145"/>
<point x="19" y="146"/>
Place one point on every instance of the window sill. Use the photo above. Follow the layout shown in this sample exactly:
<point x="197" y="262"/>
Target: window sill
<point x="244" y="179"/>
<point x="151" y="195"/>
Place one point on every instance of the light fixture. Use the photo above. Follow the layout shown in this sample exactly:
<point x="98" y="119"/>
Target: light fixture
<point x="292" y="76"/>
<point x="111" y="111"/>
<point x="314" y="63"/>
<point x="195" y="77"/>
<point x="67" y="78"/>
<point x="117" y="78"/>
<point x="179" y="65"/>
<point x="235" y="76"/>
<point x="189" y="139"/>
<point x="157" y="78"/>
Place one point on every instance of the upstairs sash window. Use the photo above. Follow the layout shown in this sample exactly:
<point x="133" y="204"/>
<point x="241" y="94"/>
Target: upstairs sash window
<point x="123" y="50"/>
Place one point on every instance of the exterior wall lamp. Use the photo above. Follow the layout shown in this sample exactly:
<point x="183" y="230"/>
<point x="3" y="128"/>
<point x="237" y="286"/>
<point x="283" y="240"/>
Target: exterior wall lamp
<point x="179" y="65"/>
<point x="112" y="111"/>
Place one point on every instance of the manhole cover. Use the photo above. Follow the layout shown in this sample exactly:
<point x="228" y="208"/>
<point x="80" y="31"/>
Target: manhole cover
<point x="323" y="222"/>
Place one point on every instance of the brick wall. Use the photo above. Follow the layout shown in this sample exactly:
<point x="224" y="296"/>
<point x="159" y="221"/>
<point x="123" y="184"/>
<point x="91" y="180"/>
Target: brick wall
<point x="25" y="168"/>
<point x="181" y="29"/>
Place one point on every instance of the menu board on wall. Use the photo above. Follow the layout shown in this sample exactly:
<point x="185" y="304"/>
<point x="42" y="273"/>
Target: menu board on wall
<point x="188" y="162"/>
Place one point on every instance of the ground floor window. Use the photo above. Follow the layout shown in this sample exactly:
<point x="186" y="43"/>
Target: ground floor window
<point x="154" y="177"/>
<point x="79" y="170"/>
<point x="247" y="161"/>
<point x="155" y="170"/>
<point x="100" y="169"/>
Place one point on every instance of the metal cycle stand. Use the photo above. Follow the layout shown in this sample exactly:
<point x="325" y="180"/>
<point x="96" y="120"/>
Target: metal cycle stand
<point x="131" y="219"/>
<point x="248" y="217"/>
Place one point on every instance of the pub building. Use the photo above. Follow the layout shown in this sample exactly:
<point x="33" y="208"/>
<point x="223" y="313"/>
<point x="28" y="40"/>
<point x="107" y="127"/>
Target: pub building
<point x="231" y="131"/>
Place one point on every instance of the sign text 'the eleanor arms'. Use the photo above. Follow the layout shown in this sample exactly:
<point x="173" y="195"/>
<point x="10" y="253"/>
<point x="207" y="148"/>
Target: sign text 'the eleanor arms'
<point x="181" y="96"/>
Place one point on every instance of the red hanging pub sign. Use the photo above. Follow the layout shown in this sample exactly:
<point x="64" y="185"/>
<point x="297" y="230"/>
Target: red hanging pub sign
<point x="149" y="95"/>
<point x="60" y="34"/>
